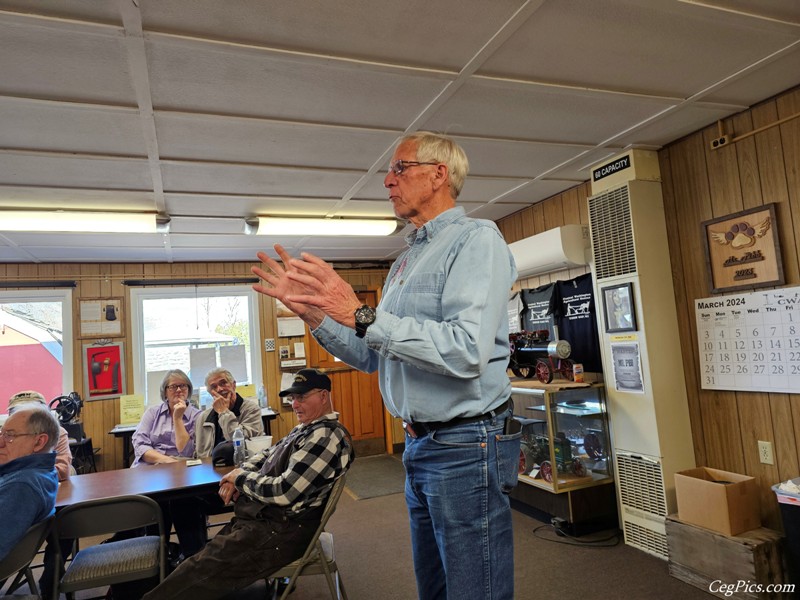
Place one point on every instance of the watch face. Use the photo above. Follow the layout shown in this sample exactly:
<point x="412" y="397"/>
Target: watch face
<point x="365" y="315"/>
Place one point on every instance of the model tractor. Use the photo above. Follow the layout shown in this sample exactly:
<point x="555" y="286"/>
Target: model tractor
<point x="532" y="354"/>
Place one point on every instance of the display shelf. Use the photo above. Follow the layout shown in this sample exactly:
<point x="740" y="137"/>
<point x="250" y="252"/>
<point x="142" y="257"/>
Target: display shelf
<point x="565" y="441"/>
<point x="573" y="414"/>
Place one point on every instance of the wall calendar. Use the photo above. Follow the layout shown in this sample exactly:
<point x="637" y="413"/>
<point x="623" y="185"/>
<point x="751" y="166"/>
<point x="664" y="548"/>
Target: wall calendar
<point x="750" y="342"/>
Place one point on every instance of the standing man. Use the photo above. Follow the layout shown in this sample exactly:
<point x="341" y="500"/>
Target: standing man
<point x="28" y="479"/>
<point x="439" y="341"/>
<point x="279" y="496"/>
<point x="228" y="411"/>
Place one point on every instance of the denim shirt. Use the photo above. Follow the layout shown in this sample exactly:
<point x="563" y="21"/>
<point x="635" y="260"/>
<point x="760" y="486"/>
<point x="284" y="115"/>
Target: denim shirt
<point x="440" y="338"/>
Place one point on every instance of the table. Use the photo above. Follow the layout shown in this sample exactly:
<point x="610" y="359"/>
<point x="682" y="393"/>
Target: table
<point x="126" y="432"/>
<point x="160" y="482"/>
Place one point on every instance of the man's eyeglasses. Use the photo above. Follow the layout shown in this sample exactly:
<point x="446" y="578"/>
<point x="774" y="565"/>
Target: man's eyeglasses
<point x="9" y="436"/>
<point x="219" y="385"/>
<point x="399" y="167"/>
<point x="174" y="387"/>
<point x="302" y="397"/>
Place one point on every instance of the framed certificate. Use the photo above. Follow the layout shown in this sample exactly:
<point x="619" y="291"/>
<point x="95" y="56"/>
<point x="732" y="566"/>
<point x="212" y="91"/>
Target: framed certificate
<point x="101" y="318"/>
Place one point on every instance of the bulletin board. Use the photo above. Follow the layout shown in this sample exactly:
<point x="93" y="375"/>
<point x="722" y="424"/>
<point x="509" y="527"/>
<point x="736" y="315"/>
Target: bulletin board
<point x="750" y="342"/>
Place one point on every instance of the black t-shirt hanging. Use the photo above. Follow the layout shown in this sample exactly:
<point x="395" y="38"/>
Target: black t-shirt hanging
<point x="540" y="304"/>
<point x="577" y="322"/>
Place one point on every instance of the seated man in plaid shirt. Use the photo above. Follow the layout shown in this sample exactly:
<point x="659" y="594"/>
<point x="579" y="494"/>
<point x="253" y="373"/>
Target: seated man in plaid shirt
<point x="279" y="496"/>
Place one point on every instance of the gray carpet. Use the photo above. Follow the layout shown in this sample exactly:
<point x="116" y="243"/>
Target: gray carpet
<point x="374" y="476"/>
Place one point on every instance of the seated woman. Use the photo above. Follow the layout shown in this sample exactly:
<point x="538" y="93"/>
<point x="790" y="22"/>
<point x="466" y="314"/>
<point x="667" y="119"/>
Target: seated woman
<point x="166" y="434"/>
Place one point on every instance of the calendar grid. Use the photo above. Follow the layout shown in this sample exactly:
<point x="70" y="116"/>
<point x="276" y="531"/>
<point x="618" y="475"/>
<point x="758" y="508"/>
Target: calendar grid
<point x="750" y="342"/>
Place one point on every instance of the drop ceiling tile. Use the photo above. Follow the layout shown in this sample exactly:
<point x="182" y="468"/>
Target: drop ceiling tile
<point x="64" y="61"/>
<point x="70" y="128"/>
<point x="211" y="78"/>
<point x="270" y="181"/>
<point x="540" y="113"/>
<point x="634" y="46"/>
<point x="252" y="140"/>
<point x="65" y="171"/>
<point x="307" y="26"/>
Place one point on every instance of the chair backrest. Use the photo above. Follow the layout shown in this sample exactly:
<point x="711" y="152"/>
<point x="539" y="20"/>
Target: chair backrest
<point x="74" y="431"/>
<point x="330" y="507"/>
<point x="24" y="551"/>
<point x="110" y="515"/>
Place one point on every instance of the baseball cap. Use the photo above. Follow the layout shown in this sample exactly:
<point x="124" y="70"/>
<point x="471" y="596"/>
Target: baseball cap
<point x="26" y="396"/>
<point x="306" y="380"/>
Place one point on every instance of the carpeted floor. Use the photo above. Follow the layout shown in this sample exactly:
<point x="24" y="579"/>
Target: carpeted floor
<point x="374" y="476"/>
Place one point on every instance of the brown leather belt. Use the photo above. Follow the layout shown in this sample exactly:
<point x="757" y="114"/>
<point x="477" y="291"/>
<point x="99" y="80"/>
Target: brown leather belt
<point x="416" y="430"/>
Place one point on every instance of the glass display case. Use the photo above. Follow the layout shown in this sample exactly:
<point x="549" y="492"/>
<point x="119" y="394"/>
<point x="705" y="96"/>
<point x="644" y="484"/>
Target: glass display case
<point x="565" y="440"/>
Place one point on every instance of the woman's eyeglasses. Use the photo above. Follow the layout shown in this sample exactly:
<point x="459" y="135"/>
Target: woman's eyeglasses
<point x="174" y="387"/>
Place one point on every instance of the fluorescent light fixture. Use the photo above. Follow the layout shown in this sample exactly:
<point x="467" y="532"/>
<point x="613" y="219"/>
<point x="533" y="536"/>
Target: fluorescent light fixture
<point x="84" y="222"/>
<point x="277" y="226"/>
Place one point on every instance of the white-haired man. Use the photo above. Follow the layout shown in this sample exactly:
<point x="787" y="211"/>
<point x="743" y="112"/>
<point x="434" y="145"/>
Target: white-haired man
<point x="28" y="480"/>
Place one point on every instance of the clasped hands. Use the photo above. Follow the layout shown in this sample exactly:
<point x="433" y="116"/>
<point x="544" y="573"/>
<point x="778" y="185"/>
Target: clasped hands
<point x="227" y="488"/>
<point x="308" y="286"/>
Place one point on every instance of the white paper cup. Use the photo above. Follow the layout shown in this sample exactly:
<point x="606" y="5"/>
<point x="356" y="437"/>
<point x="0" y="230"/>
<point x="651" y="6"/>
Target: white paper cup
<point x="257" y="444"/>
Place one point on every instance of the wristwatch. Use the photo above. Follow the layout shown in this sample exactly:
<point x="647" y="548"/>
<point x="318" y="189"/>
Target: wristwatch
<point x="365" y="316"/>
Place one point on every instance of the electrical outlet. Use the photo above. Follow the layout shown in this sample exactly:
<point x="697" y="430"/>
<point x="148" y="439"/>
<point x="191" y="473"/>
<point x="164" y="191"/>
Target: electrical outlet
<point x="721" y="141"/>
<point x="765" y="453"/>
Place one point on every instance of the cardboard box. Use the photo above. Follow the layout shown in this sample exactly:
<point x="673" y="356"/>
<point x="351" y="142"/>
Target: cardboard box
<point x="718" y="500"/>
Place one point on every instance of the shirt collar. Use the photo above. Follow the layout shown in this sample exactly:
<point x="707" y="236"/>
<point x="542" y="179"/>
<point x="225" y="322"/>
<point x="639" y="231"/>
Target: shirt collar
<point x="435" y="225"/>
<point x="331" y="416"/>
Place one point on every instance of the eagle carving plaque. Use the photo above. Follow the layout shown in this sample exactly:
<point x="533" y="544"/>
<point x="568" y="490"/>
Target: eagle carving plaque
<point x="743" y="250"/>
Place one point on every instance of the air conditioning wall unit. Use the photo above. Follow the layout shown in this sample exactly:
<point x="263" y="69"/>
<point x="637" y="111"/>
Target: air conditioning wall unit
<point x="556" y="249"/>
<point x="646" y="390"/>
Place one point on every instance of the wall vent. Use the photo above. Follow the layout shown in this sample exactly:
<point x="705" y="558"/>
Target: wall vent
<point x="644" y="503"/>
<point x="646" y="540"/>
<point x="612" y="233"/>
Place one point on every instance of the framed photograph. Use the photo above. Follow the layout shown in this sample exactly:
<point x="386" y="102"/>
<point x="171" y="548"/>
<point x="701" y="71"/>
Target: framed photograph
<point x="100" y="317"/>
<point x="103" y="371"/>
<point x="618" y="308"/>
<point x="743" y="250"/>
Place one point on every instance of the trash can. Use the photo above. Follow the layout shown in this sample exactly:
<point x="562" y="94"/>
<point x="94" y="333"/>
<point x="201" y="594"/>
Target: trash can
<point x="789" y="504"/>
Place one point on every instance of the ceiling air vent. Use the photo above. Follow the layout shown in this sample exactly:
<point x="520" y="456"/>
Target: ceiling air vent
<point x="612" y="233"/>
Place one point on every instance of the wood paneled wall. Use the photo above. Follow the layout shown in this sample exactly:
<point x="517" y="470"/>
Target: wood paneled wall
<point x="567" y="208"/>
<point x="105" y="281"/>
<point x="700" y="184"/>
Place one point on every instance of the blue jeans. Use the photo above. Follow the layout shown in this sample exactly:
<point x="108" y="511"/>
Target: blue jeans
<point x="457" y="485"/>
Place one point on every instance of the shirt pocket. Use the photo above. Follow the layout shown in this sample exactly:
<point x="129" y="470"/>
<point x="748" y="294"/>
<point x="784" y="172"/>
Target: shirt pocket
<point x="422" y="296"/>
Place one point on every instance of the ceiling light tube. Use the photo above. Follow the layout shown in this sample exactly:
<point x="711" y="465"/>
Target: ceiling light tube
<point x="277" y="226"/>
<point x="80" y="221"/>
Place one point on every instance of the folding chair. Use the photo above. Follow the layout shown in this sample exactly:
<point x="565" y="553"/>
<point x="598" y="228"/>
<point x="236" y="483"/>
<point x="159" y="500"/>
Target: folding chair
<point x="83" y="453"/>
<point x="318" y="558"/>
<point x="18" y="561"/>
<point x="110" y="562"/>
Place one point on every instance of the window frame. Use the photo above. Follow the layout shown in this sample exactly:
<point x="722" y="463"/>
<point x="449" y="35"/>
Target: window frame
<point x="137" y="297"/>
<point x="63" y="295"/>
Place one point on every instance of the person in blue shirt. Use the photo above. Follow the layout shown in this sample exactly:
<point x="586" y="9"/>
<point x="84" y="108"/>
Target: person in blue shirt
<point x="28" y="478"/>
<point x="439" y="341"/>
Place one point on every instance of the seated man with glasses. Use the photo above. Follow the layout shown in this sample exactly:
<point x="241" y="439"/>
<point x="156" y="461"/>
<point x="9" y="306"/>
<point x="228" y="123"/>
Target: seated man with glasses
<point x="28" y="479"/>
<point x="279" y="496"/>
<point x="216" y="425"/>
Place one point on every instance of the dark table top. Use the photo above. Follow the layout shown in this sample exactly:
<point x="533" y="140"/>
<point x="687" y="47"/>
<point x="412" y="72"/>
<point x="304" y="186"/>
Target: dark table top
<point x="163" y="481"/>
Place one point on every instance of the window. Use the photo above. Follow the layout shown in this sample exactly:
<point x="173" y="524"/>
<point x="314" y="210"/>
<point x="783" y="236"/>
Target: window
<point x="194" y="329"/>
<point x="33" y="355"/>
